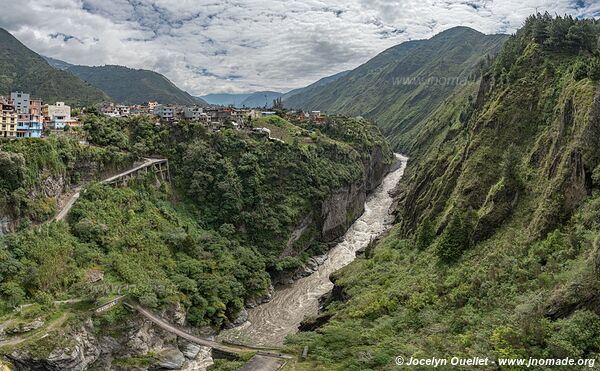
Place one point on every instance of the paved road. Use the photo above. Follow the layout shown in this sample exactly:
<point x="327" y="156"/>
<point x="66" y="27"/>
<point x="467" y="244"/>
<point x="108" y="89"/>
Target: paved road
<point x="68" y="205"/>
<point x="71" y="200"/>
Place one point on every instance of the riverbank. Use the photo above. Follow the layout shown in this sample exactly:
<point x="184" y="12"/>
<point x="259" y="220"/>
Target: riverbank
<point x="269" y="323"/>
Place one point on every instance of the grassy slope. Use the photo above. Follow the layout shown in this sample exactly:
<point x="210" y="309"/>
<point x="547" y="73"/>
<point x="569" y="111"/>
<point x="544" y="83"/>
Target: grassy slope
<point x="516" y="169"/>
<point x="22" y="69"/>
<point x="382" y="89"/>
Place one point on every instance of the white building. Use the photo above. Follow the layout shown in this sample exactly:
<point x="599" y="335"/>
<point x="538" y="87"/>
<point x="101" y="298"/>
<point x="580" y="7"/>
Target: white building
<point x="164" y="112"/>
<point x="58" y="114"/>
<point x="59" y="111"/>
<point x="21" y="101"/>
<point x="123" y="110"/>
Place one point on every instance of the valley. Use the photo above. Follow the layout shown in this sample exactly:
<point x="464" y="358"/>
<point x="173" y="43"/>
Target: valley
<point x="440" y="201"/>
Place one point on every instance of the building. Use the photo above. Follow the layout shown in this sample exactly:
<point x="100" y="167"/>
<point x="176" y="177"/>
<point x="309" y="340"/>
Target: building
<point x="193" y="113"/>
<point x="8" y="119"/>
<point x="21" y="101"/>
<point x="58" y="115"/>
<point x="30" y="124"/>
<point x="152" y="105"/>
<point x="122" y="110"/>
<point x="164" y="112"/>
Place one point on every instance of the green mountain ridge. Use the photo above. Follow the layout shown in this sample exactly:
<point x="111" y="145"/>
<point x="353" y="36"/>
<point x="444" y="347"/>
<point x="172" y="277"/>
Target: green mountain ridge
<point x="497" y="236"/>
<point x="133" y="86"/>
<point x="399" y="87"/>
<point x="23" y="69"/>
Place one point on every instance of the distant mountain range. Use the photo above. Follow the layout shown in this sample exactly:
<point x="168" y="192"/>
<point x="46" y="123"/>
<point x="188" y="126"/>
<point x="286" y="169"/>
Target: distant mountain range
<point x="255" y="100"/>
<point x="23" y="69"/>
<point x="400" y="87"/>
<point x="127" y="85"/>
<point x="262" y="98"/>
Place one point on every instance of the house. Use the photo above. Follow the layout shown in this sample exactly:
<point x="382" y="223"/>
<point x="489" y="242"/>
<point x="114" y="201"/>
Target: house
<point x="30" y="122"/>
<point x="21" y="101"/>
<point x="29" y="126"/>
<point x="58" y="115"/>
<point x="8" y="119"/>
<point x="193" y="113"/>
<point x="122" y="110"/>
<point x="165" y="112"/>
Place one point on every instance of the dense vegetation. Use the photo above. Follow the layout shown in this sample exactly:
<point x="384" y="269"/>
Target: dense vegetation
<point x="495" y="249"/>
<point x="208" y="242"/>
<point x="400" y="87"/>
<point x="22" y="69"/>
<point x="34" y="171"/>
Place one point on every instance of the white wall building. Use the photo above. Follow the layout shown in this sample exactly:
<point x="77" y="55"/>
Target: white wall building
<point x="59" y="111"/>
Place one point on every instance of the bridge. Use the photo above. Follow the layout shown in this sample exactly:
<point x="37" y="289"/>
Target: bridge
<point x="158" y="166"/>
<point x="263" y="360"/>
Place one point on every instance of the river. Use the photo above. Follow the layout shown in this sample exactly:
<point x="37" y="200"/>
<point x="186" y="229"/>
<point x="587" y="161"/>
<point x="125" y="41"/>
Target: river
<point x="268" y="324"/>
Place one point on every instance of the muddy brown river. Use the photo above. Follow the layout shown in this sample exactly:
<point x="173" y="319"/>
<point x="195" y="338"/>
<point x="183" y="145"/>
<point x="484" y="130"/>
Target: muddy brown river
<point x="268" y="324"/>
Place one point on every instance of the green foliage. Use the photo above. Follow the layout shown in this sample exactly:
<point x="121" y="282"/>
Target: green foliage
<point x="456" y="237"/>
<point x="425" y="235"/>
<point x="576" y="336"/>
<point x="596" y="176"/>
<point x="29" y="166"/>
<point x="12" y="171"/>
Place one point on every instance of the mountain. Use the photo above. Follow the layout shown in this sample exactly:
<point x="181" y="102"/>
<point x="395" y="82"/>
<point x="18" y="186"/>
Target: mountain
<point x="257" y="99"/>
<point x="254" y="100"/>
<point x="225" y="99"/>
<point x="495" y="251"/>
<point x="23" y="69"/>
<point x="399" y="87"/>
<point x="130" y="86"/>
<point x="261" y="99"/>
<point x="314" y="86"/>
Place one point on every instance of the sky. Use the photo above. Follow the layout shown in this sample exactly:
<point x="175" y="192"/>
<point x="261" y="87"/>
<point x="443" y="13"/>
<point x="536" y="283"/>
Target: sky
<point x="235" y="46"/>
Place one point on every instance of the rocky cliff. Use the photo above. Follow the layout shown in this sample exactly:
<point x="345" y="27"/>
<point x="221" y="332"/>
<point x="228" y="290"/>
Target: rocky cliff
<point x="132" y="343"/>
<point x="335" y="215"/>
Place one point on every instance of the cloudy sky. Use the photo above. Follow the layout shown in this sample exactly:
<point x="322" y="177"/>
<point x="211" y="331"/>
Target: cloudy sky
<point x="207" y="46"/>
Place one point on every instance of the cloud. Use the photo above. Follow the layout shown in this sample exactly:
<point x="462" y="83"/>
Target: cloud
<point x="247" y="45"/>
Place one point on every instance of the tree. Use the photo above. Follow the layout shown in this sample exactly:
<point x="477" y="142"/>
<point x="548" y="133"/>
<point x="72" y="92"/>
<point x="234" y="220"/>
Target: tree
<point x="456" y="237"/>
<point x="425" y="234"/>
<point x="12" y="170"/>
<point x="593" y="70"/>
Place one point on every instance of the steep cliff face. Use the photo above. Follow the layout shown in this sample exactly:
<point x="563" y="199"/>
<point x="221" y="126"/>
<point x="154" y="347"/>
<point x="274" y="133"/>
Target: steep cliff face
<point x="132" y="343"/>
<point x="496" y="244"/>
<point x="334" y="216"/>
<point x="344" y="206"/>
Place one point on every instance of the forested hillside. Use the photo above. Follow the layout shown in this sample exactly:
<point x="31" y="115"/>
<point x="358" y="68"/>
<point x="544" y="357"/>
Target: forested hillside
<point x="207" y="244"/>
<point x="495" y="250"/>
<point x="23" y="69"/>
<point x="400" y="87"/>
<point x="133" y="86"/>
